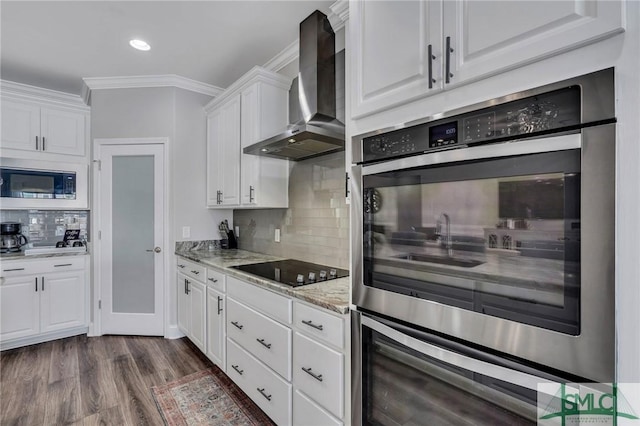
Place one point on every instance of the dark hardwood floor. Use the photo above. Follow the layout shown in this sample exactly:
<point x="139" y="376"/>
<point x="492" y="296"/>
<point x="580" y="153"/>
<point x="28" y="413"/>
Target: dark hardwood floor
<point x="91" y="380"/>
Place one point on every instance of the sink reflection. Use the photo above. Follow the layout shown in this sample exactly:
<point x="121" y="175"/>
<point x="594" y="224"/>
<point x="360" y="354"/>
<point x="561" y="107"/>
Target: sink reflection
<point x="445" y="260"/>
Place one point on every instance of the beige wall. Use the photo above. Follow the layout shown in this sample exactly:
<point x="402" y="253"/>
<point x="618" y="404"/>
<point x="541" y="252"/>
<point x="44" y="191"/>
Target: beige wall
<point x="315" y="227"/>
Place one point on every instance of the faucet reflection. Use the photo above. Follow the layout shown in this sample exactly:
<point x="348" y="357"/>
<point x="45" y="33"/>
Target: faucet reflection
<point x="446" y="242"/>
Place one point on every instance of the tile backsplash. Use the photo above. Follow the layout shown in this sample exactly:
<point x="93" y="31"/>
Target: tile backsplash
<point x="315" y="227"/>
<point x="46" y="227"/>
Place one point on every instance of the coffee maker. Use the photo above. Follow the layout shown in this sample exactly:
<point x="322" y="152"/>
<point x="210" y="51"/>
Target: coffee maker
<point x="11" y="237"/>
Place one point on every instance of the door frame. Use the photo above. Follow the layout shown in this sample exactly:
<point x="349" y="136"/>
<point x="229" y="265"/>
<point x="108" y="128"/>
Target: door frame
<point x="95" y="326"/>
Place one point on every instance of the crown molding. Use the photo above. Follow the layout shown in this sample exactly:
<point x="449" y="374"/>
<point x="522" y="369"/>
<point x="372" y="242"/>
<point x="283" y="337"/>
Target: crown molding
<point x="144" y="81"/>
<point x="284" y="58"/>
<point x="339" y="14"/>
<point x="254" y="75"/>
<point x="40" y="94"/>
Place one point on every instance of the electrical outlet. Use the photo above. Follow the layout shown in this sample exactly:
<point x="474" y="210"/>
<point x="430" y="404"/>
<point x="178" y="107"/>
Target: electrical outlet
<point x="186" y="232"/>
<point x="237" y="229"/>
<point x="276" y="237"/>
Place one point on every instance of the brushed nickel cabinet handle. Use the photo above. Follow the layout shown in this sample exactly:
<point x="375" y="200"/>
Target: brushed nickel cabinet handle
<point x="36" y="284"/>
<point x="42" y="283"/>
<point x="264" y="394"/>
<point x="196" y="272"/>
<point x="62" y="264"/>
<point x="14" y="269"/>
<point x="43" y="143"/>
<point x="37" y="145"/>
<point x="311" y="324"/>
<point x="238" y="326"/>
<point x="251" y="197"/>
<point x="181" y="266"/>
<point x="235" y="367"/>
<point x="213" y="280"/>
<point x="219" y="306"/>
<point x="430" y="63"/>
<point x="309" y="371"/>
<point x="266" y="345"/>
<point x="448" y="50"/>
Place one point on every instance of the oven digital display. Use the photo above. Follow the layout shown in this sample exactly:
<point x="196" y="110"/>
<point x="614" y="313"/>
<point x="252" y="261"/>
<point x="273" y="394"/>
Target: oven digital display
<point x="443" y="134"/>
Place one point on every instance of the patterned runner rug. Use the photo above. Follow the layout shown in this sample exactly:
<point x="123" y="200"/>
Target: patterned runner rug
<point x="207" y="397"/>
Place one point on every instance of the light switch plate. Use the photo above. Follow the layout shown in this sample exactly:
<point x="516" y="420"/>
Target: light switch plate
<point x="237" y="229"/>
<point x="186" y="232"/>
<point x="276" y="237"/>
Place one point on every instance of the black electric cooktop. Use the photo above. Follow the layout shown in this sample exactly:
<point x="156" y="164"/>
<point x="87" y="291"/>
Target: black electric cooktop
<point x="293" y="272"/>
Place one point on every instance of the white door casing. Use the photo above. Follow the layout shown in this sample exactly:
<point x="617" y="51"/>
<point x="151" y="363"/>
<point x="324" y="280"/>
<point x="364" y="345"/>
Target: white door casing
<point x="116" y="315"/>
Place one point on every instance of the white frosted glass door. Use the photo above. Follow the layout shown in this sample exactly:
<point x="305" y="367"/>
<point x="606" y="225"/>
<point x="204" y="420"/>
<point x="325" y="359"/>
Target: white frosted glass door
<point x="131" y="221"/>
<point x="132" y="234"/>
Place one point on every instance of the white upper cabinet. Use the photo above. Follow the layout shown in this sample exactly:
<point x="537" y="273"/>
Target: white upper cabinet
<point x="41" y="124"/>
<point x="468" y="40"/>
<point x="492" y="36"/>
<point x="391" y="41"/>
<point x="250" y="110"/>
<point x="264" y="181"/>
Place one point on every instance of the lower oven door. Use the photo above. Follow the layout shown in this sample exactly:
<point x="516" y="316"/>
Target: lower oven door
<point x="406" y="376"/>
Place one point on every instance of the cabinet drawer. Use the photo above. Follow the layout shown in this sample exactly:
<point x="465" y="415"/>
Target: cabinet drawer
<point x="308" y="413"/>
<point x="318" y="372"/>
<point x="268" y="340"/>
<point x="216" y="279"/>
<point x="191" y="269"/>
<point x="265" y="388"/>
<point x="321" y="325"/>
<point x="269" y="303"/>
<point x="42" y="266"/>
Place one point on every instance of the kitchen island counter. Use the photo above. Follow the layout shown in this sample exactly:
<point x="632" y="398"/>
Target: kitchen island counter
<point x="332" y="294"/>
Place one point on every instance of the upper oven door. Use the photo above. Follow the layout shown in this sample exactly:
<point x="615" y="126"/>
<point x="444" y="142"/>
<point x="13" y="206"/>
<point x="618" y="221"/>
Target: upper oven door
<point x="509" y="246"/>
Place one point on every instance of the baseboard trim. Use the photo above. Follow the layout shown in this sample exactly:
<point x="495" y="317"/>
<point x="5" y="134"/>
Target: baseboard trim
<point x="40" y="338"/>
<point x="173" y="332"/>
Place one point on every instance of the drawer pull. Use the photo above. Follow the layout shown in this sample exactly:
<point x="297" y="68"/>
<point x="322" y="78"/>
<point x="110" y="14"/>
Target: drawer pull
<point x="264" y="394"/>
<point x="196" y="272"/>
<point x="238" y="326"/>
<point x="219" y="307"/>
<point x="14" y="269"/>
<point x="266" y="345"/>
<point x="62" y="264"/>
<point x="235" y="367"/>
<point x="309" y="371"/>
<point x="311" y="324"/>
<point x="180" y="266"/>
<point x="213" y="280"/>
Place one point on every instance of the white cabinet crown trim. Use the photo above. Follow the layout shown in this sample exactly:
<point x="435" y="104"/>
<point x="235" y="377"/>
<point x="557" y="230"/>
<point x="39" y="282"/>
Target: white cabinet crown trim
<point x="256" y="74"/>
<point x="140" y="81"/>
<point x="41" y="96"/>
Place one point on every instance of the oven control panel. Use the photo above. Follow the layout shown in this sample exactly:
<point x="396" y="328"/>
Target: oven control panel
<point x="510" y="120"/>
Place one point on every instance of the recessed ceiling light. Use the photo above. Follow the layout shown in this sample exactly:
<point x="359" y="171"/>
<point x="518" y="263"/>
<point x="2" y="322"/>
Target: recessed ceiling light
<point x="139" y="44"/>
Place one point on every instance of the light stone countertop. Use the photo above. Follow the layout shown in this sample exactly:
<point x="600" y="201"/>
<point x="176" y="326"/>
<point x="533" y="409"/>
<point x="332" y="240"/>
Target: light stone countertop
<point x="5" y="257"/>
<point x="332" y="295"/>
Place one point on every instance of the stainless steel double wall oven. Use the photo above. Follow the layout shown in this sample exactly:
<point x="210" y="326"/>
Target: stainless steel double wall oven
<point x="484" y="255"/>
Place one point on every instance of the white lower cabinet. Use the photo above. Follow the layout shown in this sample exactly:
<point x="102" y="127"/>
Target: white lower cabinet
<point x="308" y="413"/>
<point x="192" y="302"/>
<point x="42" y="299"/>
<point x="216" y="341"/>
<point x="268" y="390"/>
<point x="318" y="371"/>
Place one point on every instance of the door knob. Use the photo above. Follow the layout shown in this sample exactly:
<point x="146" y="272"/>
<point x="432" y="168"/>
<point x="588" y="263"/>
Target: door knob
<point x="157" y="250"/>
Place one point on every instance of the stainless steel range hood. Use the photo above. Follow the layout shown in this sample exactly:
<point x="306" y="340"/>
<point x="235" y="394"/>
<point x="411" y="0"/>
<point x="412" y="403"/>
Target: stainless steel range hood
<point x="315" y="130"/>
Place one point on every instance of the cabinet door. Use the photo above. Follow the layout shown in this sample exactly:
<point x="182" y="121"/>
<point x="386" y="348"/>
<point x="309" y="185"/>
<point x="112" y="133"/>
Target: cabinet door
<point x="390" y="42"/>
<point x="492" y="36"/>
<point x="229" y="160"/>
<point x="62" y="301"/>
<point x="183" y="305"/>
<point x="215" y="327"/>
<point x="214" y="173"/>
<point x="197" y="313"/>
<point x="250" y="164"/>
<point x="20" y="125"/>
<point x="63" y="132"/>
<point x="19" y="307"/>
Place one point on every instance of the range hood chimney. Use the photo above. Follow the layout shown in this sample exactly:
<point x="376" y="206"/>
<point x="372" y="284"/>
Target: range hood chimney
<point x="314" y="128"/>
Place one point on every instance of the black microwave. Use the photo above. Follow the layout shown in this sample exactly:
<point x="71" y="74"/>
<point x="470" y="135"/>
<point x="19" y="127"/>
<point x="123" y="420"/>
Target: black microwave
<point x="37" y="184"/>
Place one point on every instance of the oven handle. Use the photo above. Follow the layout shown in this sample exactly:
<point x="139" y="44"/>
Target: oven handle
<point x="462" y="356"/>
<point x="505" y="149"/>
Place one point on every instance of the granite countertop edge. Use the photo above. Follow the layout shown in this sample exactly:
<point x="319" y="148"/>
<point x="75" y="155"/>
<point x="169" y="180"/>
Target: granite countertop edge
<point x="332" y="295"/>
<point x="6" y="257"/>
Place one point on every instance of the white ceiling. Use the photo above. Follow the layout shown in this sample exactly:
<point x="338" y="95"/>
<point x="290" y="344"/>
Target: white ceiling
<point x="54" y="44"/>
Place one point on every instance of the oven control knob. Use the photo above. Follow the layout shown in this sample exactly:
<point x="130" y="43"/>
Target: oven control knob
<point x="323" y="275"/>
<point x="300" y="278"/>
<point x="312" y="276"/>
<point x="333" y="273"/>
